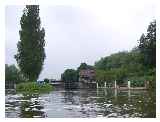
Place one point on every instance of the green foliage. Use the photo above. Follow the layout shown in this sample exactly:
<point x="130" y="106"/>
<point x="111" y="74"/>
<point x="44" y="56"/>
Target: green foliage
<point x="137" y="81"/>
<point x="147" y="45"/>
<point x="84" y="66"/>
<point x="33" y="87"/>
<point x="138" y="65"/>
<point x="70" y="75"/>
<point x="118" y="60"/>
<point x="12" y="74"/>
<point x="152" y="83"/>
<point x="46" y="80"/>
<point x="121" y="75"/>
<point x="102" y="75"/>
<point x="120" y="66"/>
<point x="31" y="52"/>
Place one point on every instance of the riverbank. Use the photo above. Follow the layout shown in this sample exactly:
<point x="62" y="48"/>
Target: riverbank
<point x="33" y="87"/>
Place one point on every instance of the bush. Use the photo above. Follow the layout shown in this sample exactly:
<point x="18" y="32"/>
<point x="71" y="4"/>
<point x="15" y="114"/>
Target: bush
<point x="33" y="87"/>
<point x="152" y="81"/>
<point x="46" y="80"/>
<point x="137" y="81"/>
<point x="140" y="81"/>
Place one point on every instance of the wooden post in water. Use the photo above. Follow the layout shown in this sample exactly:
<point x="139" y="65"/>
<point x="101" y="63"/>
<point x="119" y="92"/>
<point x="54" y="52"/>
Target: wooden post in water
<point x="97" y="85"/>
<point x="14" y="86"/>
<point x="105" y="85"/>
<point x="105" y="91"/>
<point x="129" y="93"/>
<point x="129" y="85"/>
<point x="115" y="84"/>
<point x="146" y="84"/>
<point x="97" y="89"/>
<point x="115" y="93"/>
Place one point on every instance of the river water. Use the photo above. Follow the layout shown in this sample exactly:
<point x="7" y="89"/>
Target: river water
<point x="82" y="103"/>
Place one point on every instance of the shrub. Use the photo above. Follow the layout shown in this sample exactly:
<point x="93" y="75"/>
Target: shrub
<point x="46" y="80"/>
<point x="33" y="87"/>
<point x="137" y="81"/>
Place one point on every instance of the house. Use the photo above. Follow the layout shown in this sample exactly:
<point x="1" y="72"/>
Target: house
<point x="87" y="75"/>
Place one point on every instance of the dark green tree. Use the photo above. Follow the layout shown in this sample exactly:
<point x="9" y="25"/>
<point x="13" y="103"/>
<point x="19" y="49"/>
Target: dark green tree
<point x="82" y="66"/>
<point x="147" y="45"/>
<point x="31" y="52"/>
<point x="12" y="74"/>
<point x="69" y="75"/>
<point x="46" y="80"/>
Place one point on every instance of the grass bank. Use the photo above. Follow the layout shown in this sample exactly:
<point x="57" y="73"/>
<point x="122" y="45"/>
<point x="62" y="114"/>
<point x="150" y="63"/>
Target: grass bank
<point x="33" y="87"/>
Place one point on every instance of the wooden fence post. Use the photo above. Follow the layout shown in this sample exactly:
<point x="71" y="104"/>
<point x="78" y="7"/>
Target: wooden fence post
<point x="146" y="84"/>
<point x="115" y="84"/>
<point x="97" y="85"/>
<point x="129" y="85"/>
<point x="115" y="93"/>
<point x="14" y="86"/>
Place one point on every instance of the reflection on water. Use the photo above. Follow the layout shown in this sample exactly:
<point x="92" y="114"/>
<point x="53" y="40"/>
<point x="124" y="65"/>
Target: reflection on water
<point x="82" y="103"/>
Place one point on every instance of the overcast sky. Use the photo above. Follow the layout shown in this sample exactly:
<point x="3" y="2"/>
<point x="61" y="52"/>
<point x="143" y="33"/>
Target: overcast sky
<point x="82" y="33"/>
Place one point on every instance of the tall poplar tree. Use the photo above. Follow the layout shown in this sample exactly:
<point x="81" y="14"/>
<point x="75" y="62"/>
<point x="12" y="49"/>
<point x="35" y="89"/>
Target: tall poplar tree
<point x="31" y="52"/>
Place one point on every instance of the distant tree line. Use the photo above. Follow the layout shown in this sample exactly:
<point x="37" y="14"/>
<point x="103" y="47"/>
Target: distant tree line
<point x="137" y="65"/>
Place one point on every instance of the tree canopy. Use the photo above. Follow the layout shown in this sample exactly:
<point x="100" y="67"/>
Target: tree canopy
<point x="12" y="74"/>
<point x="69" y="75"/>
<point x="147" y="45"/>
<point x="31" y="52"/>
<point x="84" y="66"/>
